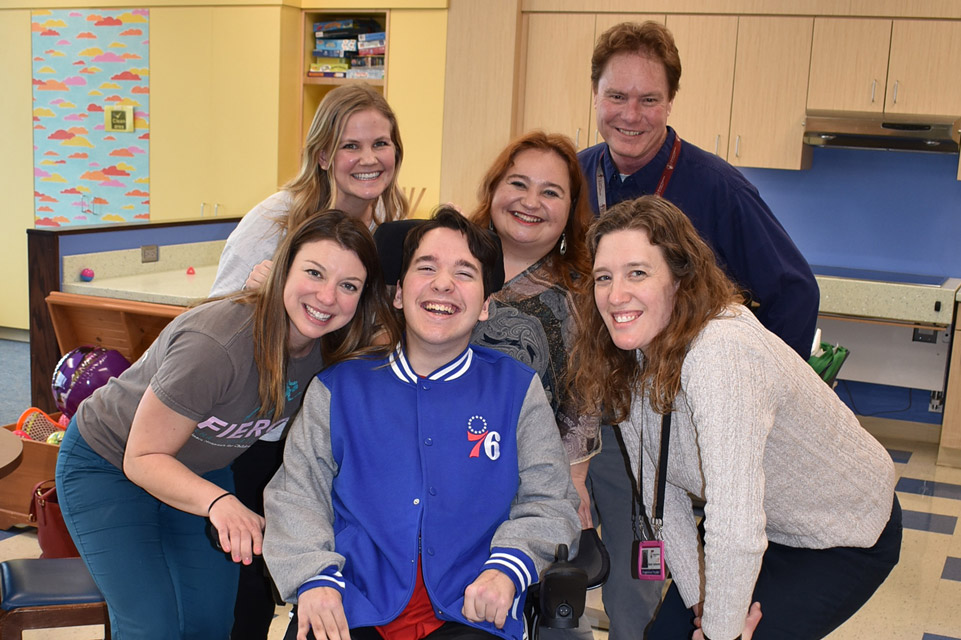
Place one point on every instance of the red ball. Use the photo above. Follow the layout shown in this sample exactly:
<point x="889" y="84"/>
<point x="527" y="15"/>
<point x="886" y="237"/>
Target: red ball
<point x="20" y="433"/>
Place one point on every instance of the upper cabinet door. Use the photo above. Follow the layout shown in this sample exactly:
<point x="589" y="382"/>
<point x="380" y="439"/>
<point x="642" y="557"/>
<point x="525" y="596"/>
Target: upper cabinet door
<point x="702" y="107"/>
<point x="557" y="74"/>
<point x="849" y="65"/>
<point x="923" y="72"/>
<point x="770" y="92"/>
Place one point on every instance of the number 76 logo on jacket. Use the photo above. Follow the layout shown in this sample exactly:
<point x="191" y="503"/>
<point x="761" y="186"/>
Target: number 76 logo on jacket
<point x="491" y="440"/>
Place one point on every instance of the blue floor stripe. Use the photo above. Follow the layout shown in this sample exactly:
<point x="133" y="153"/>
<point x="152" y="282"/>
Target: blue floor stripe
<point x="952" y="569"/>
<point x="934" y="636"/>
<point x="929" y="488"/>
<point x="899" y="457"/>
<point x="932" y="522"/>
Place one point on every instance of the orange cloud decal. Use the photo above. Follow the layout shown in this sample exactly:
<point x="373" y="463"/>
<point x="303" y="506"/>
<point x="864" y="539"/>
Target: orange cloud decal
<point x="46" y="222"/>
<point x="137" y="193"/>
<point x="94" y="107"/>
<point x="114" y="171"/>
<point x="140" y="90"/>
<point x="132" y="32"/>
<point x="80" y="155"/>
<point x="45" y="209"/>
<point x="52" y="85"/>
<point x="87" y="35"/>
<point x="121" y="153"/>
<point x="93" y="175"/>
<point x="126" y="75"/>
<point x="100" y="201"/>
<point x="71" y="191"/>
<point x="108" y="22"/>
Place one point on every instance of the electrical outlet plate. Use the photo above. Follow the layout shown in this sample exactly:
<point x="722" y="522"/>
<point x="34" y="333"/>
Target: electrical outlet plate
<point x="936" y="403"/>
<point x="149" y="253"/>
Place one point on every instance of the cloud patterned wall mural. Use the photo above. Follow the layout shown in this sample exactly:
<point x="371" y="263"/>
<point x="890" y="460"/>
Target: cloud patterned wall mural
<point x="83" y="61"/>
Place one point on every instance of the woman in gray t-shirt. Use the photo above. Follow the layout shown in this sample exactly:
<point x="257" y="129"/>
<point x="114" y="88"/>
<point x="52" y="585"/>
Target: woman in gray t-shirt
<point x="145" y="462"/>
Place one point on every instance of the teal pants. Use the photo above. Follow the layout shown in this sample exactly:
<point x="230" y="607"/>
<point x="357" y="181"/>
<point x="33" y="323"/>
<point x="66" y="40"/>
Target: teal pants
<point x="157" y="570"/>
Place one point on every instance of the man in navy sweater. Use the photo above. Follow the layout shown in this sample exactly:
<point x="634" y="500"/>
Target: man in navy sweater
<point x="635" y="74"/>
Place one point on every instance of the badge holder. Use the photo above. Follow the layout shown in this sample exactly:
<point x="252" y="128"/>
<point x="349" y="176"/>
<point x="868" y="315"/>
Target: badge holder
<point x="647" y="556"/>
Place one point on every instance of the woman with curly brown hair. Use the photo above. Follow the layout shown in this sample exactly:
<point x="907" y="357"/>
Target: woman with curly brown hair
<point x="800" y="513"/>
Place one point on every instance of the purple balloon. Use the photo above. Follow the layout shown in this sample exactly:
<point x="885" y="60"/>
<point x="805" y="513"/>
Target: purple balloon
<point x="82" y="371"/>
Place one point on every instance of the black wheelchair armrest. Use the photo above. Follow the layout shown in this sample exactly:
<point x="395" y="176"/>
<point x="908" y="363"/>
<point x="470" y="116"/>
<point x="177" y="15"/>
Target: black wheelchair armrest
<point x="558" y="601"/>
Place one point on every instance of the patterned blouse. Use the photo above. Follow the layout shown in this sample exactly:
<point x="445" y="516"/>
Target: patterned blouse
<point x="532" y="319"/>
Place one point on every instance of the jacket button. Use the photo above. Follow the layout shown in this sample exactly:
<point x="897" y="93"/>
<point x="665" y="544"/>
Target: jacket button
<point x="428" y="441"/>
<point x="432" y="491"/>
<point x="416" y="500"/>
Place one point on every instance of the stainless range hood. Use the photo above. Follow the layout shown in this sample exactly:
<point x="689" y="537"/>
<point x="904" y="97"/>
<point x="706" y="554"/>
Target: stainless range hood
<point x="940" y="135"/>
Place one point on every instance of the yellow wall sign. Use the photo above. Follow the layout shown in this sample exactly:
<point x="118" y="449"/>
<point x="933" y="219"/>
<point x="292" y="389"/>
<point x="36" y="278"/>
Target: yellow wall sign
<point x="118" y="118"/>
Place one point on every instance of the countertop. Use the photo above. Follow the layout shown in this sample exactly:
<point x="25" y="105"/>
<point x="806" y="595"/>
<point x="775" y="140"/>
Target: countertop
<point x="123" y="274"/>
<point x="174" y="287"/>
<point x="896" y="297"/>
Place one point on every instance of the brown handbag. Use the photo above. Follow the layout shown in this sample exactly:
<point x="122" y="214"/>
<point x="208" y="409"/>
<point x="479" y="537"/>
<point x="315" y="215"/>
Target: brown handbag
<point x="52" y="534"/>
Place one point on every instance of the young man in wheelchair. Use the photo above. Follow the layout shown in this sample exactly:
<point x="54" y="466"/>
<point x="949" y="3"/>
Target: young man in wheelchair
<point x="422" y="494"/>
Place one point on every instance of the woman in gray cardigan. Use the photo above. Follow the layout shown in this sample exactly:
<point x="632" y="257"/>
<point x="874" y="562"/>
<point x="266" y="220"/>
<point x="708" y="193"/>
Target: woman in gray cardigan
<point x="800" y="512"/>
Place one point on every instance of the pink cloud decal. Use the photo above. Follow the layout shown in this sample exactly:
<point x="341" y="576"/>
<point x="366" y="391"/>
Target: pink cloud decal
<point x="39" y="173"/>
<point x="137" y="150"/>
<point x="75" y="117"/>
<point x="75" y="81"/>
<point x="108" y="57"/>
<point x="112" y="183"/>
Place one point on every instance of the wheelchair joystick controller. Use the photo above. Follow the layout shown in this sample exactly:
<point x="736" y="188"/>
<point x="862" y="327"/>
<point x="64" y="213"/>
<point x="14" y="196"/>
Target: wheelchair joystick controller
<point x="563" y="592"/>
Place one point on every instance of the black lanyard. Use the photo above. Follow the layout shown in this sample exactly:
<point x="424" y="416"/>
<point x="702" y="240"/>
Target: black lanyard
<point x="661" y="477"/>
<point x="601" y="186"/>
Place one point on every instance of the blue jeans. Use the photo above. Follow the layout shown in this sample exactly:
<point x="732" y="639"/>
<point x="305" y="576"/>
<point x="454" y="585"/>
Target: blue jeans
<point x="630" y="604"/>
<point x="154" y="565"/>
<point x="805" y="594"/>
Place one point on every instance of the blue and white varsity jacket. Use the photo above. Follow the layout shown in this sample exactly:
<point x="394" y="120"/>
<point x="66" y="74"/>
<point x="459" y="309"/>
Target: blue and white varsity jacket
<point x="464" y="467"/>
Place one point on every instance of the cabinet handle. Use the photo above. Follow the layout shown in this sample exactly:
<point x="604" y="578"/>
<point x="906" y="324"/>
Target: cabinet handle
<point x="874" y="86"/>
<point x="577" y="139"/>
<point x="203" y="205"/>
<point x="216" y="209"/>
<point x="737" y="147"/>
<point x="895" y="101"/>
<point x="717" y="145"/>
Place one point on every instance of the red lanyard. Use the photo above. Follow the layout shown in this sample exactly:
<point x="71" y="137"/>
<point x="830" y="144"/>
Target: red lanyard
<point x="661" y="185"/>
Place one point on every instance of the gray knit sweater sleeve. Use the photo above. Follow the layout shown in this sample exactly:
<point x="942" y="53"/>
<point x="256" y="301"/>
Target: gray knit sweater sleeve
<point x="254" y="240"/>
<point x="297" y="500"/>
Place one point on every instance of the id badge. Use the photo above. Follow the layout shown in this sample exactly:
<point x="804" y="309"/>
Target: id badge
<point x="647" y="560"/>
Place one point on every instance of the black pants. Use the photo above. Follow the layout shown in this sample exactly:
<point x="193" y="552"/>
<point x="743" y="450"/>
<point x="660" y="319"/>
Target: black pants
<point x="447" y="631"/>
<point x="254" y="607"/>
<point x="805" y="594"/>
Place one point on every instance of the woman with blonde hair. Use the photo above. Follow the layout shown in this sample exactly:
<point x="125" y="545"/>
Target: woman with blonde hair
<point x="350" y="162"/>
<point x="534" y="198"/>
<point x="351" y="158"/>
<point x="800" y="511"/>
<point x="144" y="467"/>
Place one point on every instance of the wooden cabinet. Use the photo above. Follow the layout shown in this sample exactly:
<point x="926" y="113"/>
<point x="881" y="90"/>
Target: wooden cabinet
<point x="923" y="70"/>
<point x="897" y="67"/>
<point x="702" y="107"/>
<point x="216" y="125"/>
<point x="770" y="91"/>
<point x="949" y="449"/>
<point x="557" y="75"/>
<point x="849" y="65"/>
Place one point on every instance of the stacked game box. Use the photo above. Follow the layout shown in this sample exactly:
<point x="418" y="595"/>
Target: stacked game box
<point x="349" y="48"/>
